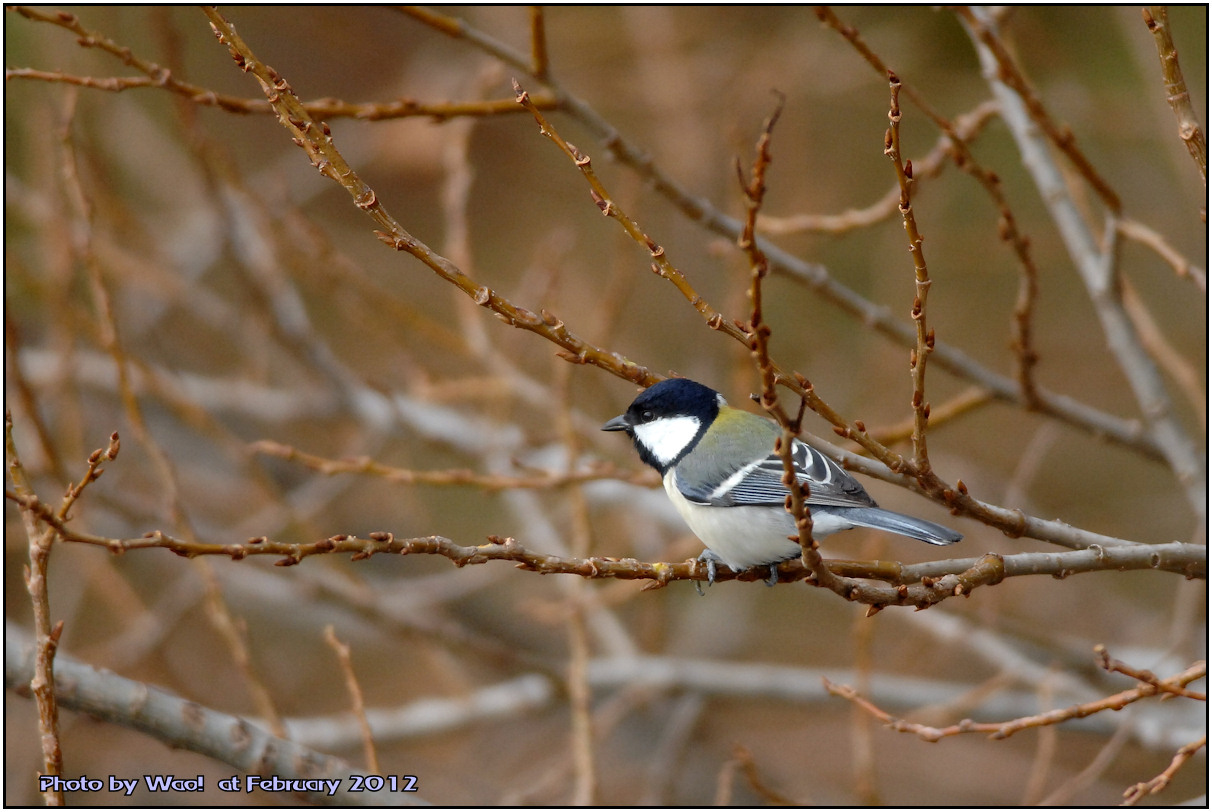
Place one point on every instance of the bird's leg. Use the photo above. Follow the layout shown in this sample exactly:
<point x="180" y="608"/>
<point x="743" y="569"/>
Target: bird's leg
<point x="710" y="559"/>
<point x="774" y="574"/>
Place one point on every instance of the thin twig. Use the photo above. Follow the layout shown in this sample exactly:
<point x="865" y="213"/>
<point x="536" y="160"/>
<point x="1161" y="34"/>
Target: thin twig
<point x="355" y="696"/>
<point x="1135" y="793"/>
<point x="46" y="634"/>
<point x="539" y="480"/>
<point x="580" y="693"/>
<point x="1007" y="728"/>
<point x="661" y="266"/>
<point x="25" y="395"/>
<point x="538" y="43"/>
<point x="234" y="634"/>
<point x="227" y="627"/>
<point x="1157" y="20"/>
<point x="798" y="491"/>
<point x="962" y="404"/>
<point x="925" y="336"/>
<point x="956" y="135"/>
<point x="1008" y="72"/>
<point x="1108" y="663"/>
<point x="966" y="127"/>
<point x="1003" y="730"/>
<point x="1186" y="375"/>
<point x="315" y="138"/>
<point x="745" y="761"/>
<point x="1138" y="231"/>
<point x="158" y="76"/>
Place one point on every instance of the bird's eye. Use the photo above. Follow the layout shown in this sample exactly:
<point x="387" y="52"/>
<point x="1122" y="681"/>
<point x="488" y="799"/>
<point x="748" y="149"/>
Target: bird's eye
<point x="647" y="416"/>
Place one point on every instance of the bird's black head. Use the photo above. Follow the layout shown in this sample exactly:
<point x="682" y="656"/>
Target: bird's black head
<point x="667" y="419"/>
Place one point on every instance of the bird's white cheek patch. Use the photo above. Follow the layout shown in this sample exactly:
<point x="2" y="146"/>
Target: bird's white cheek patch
<point x="667" y="437"/>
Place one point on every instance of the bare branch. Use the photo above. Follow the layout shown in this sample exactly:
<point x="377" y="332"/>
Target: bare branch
<point x="229" y="739"/>
<point x="1157" y="19"/>
<point x="1095" y="263"/>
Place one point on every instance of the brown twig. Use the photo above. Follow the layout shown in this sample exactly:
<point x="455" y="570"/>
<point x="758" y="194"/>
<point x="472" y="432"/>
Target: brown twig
<point x="1187" y="376"/>
<point x="234" y="633"/>
<point x="862" y="739"/>
<point x="745" y="761"/>
<point x="1061" y="136"/>
<point x="316" y="140"/>
<point x="601" y="197"/>
<point x="759" y="346"/>
<point x="1149" y="686"/>
<point x="971" y="399"/>
<point x="1138" y="231"/>
<point x="957" y="134"/>
<point x="965" y="128"/>
<point x="217" y="612"/>
<point x="25" y="396"/>
<point x="580" y="692"/>
<point x="538" y="44"/>
<point x="111" y="341"/>
<point x="1094" y="769"/>
<point x="925" y="336"/>
<point x="540" y="480"/>
<point x="46" y="634"/>
<point x="1108" y="663"/>
<point x="1177" y="96"/>
<point x="1003" y="730"/>
<point x="1045" y="752"/>
<point x="158" y="76"/>
<point x="355" y="696"/>
<point x="1136" y="792"/>
<point x="82" y="212"/>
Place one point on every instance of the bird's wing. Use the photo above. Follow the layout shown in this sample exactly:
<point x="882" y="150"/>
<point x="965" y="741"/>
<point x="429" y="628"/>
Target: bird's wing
<point x="761" y="483"/>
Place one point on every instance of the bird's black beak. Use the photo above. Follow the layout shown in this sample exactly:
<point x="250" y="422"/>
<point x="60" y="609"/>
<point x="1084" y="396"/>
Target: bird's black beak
<point x="617" y="424"/>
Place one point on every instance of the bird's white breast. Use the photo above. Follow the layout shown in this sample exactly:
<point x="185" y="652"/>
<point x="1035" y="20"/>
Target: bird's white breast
<point x="742" y="537"/>
<point x="745" y="537"/>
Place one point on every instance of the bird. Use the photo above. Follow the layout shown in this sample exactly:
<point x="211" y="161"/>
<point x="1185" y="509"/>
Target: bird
<point x="720" y="470"/>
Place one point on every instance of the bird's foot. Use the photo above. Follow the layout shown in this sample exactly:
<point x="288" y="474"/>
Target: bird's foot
<point x="710" y="559"/>
<point x="774" y="574"/>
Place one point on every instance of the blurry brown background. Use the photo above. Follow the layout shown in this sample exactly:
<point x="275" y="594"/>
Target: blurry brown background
<point x="254" y="303"/>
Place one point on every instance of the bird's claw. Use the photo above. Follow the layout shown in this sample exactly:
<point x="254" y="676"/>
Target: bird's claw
<point x="710" y="559"/>
<point x="774" y="575"/>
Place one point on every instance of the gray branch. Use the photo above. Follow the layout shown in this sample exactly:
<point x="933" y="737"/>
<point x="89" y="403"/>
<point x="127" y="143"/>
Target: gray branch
<point x="187" y="725"/>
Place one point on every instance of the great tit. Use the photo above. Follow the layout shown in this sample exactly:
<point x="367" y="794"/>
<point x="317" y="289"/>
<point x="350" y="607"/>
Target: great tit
<point x="721" y="473"/>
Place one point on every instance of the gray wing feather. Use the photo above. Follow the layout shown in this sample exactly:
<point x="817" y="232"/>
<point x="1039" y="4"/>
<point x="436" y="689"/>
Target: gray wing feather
<point x="761" y="483"/>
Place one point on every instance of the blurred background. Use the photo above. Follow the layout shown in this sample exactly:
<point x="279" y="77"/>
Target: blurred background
<point x="251" y="301"/>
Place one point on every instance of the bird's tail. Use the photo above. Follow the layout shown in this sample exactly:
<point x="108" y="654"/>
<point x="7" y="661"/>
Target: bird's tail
<point x="893" y="522"/>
